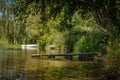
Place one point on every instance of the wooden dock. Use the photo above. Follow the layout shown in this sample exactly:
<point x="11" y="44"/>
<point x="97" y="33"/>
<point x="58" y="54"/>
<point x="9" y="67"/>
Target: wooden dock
<point x="81" y="56"/>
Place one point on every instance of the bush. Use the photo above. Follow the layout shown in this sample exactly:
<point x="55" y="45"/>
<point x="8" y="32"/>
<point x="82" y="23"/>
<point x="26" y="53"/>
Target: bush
<point x="113" y="58"/>
<point x="90" y="43"/>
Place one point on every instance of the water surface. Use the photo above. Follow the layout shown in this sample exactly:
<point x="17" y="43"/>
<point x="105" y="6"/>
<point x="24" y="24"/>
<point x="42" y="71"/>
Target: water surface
<point x="18" y="65"/>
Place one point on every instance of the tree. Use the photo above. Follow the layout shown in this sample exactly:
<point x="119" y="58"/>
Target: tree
<point x="6" y="22"/>
<point x="104" y="11"/>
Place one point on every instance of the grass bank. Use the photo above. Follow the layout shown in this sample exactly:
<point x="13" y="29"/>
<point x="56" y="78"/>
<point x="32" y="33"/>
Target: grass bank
<point x="6" y="45"/>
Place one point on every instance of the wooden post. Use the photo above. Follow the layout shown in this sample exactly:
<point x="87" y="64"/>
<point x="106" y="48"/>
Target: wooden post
<point x="51" y="56"/>
<point x="81" y="57"/>
<point x="69" y="57"/>
<point x="90" y="57"/>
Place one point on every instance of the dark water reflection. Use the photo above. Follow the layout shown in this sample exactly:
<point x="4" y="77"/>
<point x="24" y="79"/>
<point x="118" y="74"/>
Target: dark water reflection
<point x="18" y="65"/>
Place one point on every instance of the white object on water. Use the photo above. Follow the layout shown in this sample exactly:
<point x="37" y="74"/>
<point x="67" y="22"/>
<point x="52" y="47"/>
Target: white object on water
<point x="51" y="48"/>
<point x="29" y="46"/>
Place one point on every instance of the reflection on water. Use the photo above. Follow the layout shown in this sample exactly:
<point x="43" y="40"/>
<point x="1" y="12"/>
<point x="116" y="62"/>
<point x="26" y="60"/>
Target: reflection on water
<point x="18" y="65"/>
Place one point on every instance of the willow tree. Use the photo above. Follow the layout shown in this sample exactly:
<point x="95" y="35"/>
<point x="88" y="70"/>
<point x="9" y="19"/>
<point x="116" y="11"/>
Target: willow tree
<point x="6" y="23"/>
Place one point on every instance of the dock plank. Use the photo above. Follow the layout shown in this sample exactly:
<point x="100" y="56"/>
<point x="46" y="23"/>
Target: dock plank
<point x="69" y="56"/>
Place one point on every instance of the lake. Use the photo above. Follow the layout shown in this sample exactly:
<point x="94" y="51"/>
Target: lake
<point x="18" y="65"/>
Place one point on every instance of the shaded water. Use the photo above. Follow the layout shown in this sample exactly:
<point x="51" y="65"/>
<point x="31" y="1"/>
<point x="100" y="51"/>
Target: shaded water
<point x="18" y="65"/>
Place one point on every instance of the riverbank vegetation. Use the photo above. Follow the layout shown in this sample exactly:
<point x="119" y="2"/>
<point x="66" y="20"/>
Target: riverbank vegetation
<point x="72" y="26"/>
<point x="5" y="45"/>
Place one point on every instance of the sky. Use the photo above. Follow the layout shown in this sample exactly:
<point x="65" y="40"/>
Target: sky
<point x="0" y="14"/>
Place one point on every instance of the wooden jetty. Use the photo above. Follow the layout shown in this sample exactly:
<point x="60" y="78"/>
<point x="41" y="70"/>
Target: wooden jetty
<point x="81" y="56"/>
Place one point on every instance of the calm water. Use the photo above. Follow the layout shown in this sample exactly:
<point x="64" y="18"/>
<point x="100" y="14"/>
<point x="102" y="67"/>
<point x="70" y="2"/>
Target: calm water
<point x="18" y="65"/>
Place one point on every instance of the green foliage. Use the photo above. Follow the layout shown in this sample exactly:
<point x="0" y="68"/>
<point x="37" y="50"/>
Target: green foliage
<point x="90" y="43"/>
<point x="32" y="28"/>
<point x="84" y="36"/>
<point x="113" y="56"/>
<point x="41" y="21"/>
